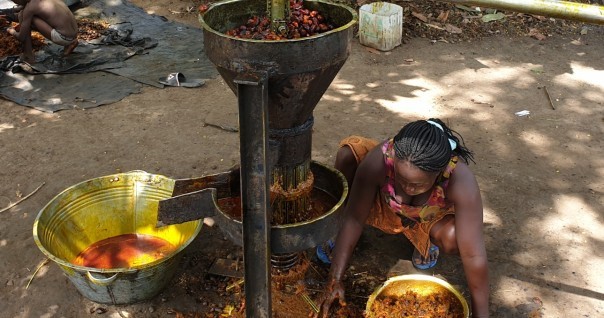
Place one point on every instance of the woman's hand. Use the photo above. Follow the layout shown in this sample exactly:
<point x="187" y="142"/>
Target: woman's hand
<point x="334" y="290"/>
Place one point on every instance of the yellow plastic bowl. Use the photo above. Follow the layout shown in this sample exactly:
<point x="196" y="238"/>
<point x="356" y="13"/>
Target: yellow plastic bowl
<point x="421" y="284"/>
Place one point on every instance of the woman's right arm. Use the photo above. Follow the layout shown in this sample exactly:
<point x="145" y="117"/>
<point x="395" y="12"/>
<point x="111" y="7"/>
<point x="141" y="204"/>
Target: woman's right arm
<point x="369" y="176"/>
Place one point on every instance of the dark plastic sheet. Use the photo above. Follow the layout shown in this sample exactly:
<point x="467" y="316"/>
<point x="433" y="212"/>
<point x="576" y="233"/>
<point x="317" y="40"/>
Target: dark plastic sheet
<point x="139" y="50"/>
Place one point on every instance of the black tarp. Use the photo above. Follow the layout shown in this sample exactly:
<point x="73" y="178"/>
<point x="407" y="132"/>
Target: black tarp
<point x="138" y="49"/>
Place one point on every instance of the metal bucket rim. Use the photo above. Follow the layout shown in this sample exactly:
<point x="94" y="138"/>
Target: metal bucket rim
<point x="419" y="277"/>
<point x="352" y="21"/>
<point x="332" y="210"/>
<point x="135" y="173"/>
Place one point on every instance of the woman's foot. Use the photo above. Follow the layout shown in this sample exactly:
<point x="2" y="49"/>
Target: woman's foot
<point x="324" y="252"/>
<point x="425" y="263"/>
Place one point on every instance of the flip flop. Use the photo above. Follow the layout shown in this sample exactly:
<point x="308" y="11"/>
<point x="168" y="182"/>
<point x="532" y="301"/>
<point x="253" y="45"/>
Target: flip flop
<point x="324" y="252"/>
<point x="179" y="80"/>
<point x="428" y="265"/>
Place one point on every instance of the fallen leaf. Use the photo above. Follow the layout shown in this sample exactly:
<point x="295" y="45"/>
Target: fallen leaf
<point x="493" y="17"/>
<point x="420" y="16"/>
<point x="539" y="17"/>
<point x="534" y="33"/>
<point x="576" y="42"/>
<point x="452" y="29"/>
<point x="443" y="16"/>
<point x="434" y="26"/>
<point x="372" y="50"/>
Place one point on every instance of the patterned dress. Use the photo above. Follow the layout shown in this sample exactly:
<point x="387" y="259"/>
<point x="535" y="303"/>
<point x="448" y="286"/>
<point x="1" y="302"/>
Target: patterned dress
<point x="395" y="217"/>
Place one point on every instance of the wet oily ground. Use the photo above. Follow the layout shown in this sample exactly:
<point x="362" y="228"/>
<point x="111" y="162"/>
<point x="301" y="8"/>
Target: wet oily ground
<point x="223" y="296"/>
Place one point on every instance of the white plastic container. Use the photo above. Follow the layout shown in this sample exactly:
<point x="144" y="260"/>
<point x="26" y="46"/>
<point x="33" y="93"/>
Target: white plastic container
<point x="381" y="25"/>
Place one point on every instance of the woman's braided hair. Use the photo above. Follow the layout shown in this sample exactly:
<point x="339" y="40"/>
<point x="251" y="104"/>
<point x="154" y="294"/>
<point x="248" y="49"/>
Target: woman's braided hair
<point x="427" y="146"/>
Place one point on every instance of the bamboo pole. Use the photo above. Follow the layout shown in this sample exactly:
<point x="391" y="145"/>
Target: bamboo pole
<point x="550" y="8"/>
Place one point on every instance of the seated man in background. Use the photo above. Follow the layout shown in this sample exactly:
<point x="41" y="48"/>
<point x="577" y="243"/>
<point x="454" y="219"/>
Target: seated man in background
<point x="52" y="18"/>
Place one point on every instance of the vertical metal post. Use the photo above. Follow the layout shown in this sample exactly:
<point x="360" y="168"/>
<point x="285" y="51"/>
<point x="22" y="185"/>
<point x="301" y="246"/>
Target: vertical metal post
<point x="252" y="94"/>
<point x="279" y="13"/>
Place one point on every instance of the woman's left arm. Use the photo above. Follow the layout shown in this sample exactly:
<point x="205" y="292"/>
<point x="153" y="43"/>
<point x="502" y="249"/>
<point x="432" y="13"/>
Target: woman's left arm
<point x="464" y="192"/>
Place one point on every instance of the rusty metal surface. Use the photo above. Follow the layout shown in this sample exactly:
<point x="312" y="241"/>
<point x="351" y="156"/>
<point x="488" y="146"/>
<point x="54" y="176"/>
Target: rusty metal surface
<point x="187" y="207"/>
<point x="226" y="183"/>
<point x="292" y="146"/>
<point x="285" y="79"/>
<point x="195" y="198"/>
<point x="300" y="236"/>
<point x="255" y="194"/>
<point x="300" y="70"/>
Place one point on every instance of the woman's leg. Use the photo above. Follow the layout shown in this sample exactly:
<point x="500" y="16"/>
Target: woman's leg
<point x="442" y="238"/>
<point x="442" y="234"/>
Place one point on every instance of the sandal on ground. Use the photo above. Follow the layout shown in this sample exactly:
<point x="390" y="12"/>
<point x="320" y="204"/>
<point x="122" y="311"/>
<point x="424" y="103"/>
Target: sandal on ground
<point x="419" y="261"/>
<point x="179" y="80"/>
<point x="324" y="252"/>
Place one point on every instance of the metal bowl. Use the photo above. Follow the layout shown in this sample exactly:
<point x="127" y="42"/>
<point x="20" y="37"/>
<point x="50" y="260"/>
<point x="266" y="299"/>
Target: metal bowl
<point x="421" y="284"/>
<point x="104" y="207"/>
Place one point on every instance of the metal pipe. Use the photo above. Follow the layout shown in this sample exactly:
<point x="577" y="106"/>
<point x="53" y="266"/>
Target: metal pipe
<point x="278" y="13"/>
<point x="252" y="93"/>
<point x="550" y="8"/>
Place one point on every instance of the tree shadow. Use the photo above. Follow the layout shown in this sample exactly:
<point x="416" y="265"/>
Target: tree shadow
<point x="540" y="175"/>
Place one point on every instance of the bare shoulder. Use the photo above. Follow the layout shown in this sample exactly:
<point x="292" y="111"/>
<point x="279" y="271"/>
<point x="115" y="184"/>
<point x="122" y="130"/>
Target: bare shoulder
<point x="462" y="184"/>
<point x="34" y="5"/>
<point x="47" y="4"/>
<point x="372" y="167"/>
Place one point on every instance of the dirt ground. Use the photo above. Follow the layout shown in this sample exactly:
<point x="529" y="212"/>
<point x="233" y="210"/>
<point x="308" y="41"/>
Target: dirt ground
<point x="541" y="175"/>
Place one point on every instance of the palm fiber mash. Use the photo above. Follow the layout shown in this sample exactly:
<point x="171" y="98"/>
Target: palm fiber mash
<point x="89" y="29"/>
<point x="441" y="304"/>
<point x="9" y="45"/>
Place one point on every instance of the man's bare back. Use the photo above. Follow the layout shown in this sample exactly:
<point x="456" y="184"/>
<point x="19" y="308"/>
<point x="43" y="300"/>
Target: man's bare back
<point x="56" y="14"/>
<point x="52" y="18"/>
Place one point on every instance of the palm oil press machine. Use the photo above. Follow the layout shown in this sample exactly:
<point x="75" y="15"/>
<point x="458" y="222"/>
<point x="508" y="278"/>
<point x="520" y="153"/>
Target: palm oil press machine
<point x="284" y="202"/>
